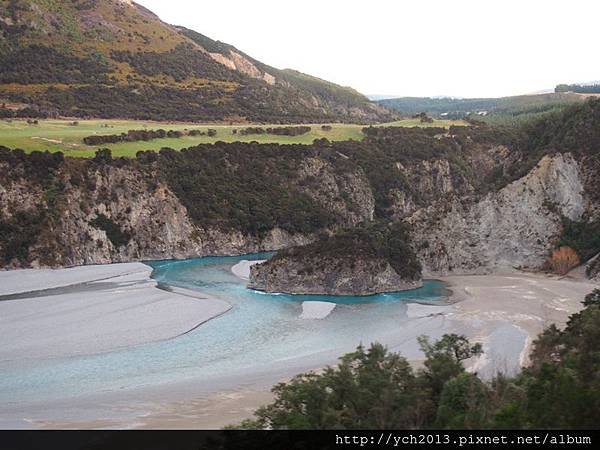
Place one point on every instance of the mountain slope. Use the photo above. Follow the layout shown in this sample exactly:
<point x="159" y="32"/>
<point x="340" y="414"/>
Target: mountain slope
<point x="503" y="110"/>
<point x="114" y="58"/>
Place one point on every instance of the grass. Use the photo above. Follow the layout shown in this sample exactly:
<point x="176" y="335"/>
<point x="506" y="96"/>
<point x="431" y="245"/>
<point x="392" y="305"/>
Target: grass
<point x="60" y="135"/>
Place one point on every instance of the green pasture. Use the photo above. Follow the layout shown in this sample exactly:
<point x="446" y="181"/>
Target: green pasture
<point x="64" y="136"/>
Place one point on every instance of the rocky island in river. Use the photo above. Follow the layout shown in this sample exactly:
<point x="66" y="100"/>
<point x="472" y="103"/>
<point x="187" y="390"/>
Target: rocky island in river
<point x="367" y="260"/>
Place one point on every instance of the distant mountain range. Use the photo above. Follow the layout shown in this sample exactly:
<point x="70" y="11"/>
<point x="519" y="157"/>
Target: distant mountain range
<point x="503" y="108"/>
<point x="114" y="58"/>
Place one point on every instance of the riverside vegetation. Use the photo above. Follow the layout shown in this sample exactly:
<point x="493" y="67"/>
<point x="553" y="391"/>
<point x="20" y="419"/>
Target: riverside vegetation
<point x="373" y="388"/>
<point x="245" y="192"/>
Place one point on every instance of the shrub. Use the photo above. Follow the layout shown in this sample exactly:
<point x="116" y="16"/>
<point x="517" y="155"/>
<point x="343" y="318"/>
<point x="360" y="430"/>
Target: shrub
<point x="113" y="231"/>
<point x="563" y="259"/>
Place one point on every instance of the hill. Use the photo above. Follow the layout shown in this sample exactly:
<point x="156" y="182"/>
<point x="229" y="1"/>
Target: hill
<point x="503" y="110"/>
<point x="116" y="59"/>
<point x="580" y="88"/>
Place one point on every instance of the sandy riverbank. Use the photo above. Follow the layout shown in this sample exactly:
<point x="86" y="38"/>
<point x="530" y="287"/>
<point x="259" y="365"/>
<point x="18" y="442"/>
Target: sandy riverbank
<point x="504" y="312"/>
<point x="93" y="309"/>
<point x="528" y="302"/>
<point x="242" y="269"/>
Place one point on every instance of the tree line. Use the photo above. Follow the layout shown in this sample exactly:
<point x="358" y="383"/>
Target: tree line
<point x="144" y="135"/>
<point x="279" y="131"/>
<point x="579" y="88"/>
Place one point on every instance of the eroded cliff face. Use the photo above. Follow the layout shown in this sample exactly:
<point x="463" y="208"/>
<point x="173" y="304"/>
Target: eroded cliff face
<point x="592" y="269"/>
<point x="437" y="178"/>
<point x="146" y="215"/>
<point x="348" y="195"/>
<point x="329" y="276"/>
<point x="515" y="227"/>
<point x="242" y="198"/>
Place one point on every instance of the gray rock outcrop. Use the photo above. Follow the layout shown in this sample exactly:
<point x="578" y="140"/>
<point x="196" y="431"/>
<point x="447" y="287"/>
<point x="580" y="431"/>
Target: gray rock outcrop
<point x="329" y="276"/>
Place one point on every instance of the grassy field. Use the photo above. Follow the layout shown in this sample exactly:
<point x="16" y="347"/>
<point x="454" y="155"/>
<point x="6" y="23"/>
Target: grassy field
<point x="61" y="135"/>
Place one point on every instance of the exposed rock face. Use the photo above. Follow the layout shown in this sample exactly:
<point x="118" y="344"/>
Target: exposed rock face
<point x="157" y="224"/>
<point x="369" y="259"/>
<point x="592" y="269"/>
<point x="514" y="227"/>
<point x="328" y="276"/>
<point x="348" y="195"/>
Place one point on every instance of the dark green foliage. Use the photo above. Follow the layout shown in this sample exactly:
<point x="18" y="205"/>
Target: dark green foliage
<point x="562" y="386"/>
<point x="500" y="111"/>
<point x="444" y="359"/>
<point x="369" y="389"/>
<point x="583" y="237"/>
<point x="574" y="129"/>
<point x="103" y="156"/>
<point x="148" y="101"/>
<point x="377" y="241"/>
<point x="377" y="389"/>
<point x="40" y="64"/>
<point x="279" y="131"/>
<point x="464" y="403"/>
<point x="143" y="135"/>
<point x="579" y="88"/>
<point x="181" y="63"/>
<point x="19" y="233"/>
<point x="39" y="166"/>
<point x="115" y="234"/>
<point x="248" y="187"/>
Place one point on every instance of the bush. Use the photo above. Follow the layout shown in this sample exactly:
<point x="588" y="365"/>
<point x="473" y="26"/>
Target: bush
<point x="113" y="231"/>
<point x="563" y="260"/>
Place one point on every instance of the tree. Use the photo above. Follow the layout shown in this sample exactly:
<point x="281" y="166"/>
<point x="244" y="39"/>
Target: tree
<point x="464" y="403"/>
<point x="592" y="299"/>
<point x="563" y="260"/>
<point x="444" y="359"/>
<point x="103" y="156"/>
<point x="369" y="389"/>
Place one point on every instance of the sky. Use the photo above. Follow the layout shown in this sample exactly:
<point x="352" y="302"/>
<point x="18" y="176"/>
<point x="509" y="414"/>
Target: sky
<point x="462" y="48"/>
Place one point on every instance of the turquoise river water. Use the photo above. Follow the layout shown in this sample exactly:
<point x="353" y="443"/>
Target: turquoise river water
<point x="260" y="333"/>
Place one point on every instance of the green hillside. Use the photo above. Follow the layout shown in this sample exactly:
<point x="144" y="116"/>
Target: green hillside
<point x="503" y="110"/>
<point x="115" y="59"/>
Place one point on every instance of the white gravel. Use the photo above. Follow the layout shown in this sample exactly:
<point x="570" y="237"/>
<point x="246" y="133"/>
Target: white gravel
<point x="92" y="310"/>
<point x="316" y="310"/>
<point x="242" y="269"/>
<point x="18" y="281"/>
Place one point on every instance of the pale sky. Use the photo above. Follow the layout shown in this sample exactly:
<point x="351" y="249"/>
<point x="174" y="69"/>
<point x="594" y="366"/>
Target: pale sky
<point x="467" y="48"/>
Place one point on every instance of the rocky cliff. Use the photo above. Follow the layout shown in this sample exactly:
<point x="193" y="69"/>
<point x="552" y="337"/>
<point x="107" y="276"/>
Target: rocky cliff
<point x="365" y="261"/>
<point x="85" y="213"/>
<point x="515" y="227"/>
<point x="476" y="199"/>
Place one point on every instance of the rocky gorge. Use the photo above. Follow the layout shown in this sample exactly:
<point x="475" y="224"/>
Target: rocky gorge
<point x="474" y="199"/>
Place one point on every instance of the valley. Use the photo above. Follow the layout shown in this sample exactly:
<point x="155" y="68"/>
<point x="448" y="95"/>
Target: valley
<point x="63" y="136"/>
<point x="183" y="226"/>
